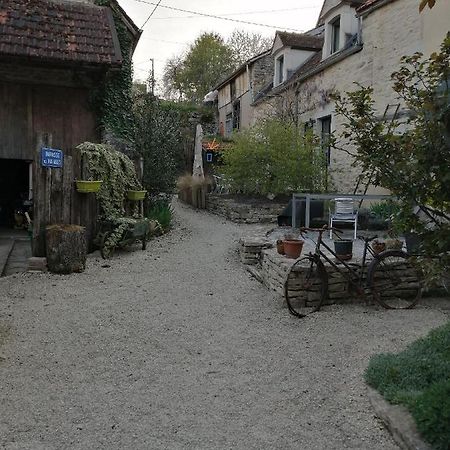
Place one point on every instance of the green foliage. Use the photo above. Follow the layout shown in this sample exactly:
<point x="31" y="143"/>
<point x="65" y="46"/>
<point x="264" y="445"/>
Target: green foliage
<point x="415" y="377"/>
<point x="112" y="99"/>
<point x="159" y="139"/>
<point x="163" y="213"/>
<point x="385" y="210"/>
<point x="195" y="74"/>
<point x="274" y="157"/>
<point x="431" y="412"/>
<point x="116" y="171"/>
<point x="412" y="164"/>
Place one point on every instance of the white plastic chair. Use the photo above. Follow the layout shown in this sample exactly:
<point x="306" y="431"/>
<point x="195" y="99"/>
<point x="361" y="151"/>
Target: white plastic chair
<point x="345" y="212"/>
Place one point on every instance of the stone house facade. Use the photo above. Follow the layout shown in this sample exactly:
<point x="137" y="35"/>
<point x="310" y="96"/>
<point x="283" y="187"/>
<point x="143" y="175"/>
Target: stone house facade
<point x="236" y="93"/>
<point x="363" y="42"/>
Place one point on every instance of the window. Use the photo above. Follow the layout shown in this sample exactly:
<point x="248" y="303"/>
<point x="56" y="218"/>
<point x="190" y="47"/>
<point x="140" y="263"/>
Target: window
<point x="325" y="136"/>
<point x="335" y="34"/>
<point x="233" y="90"/>
<point x="236" y="115"/>
<point x="280" y="69"/>
<point x="229" y="124"/>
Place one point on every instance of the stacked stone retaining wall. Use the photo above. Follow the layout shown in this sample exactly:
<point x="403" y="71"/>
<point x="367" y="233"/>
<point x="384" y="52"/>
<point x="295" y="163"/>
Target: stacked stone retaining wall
<point x="243" y="212"/>
<point x="271" y="269"/>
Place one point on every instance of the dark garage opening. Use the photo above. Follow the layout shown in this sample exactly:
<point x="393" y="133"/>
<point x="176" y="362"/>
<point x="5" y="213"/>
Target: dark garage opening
<point x="14" y="192"/>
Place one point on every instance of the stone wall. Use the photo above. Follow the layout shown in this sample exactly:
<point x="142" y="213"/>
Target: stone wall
<point x="388" y="33"/>
<point x="243" y="212"/>
<point x="271" y="269"/>
<point x="261" y="73"/>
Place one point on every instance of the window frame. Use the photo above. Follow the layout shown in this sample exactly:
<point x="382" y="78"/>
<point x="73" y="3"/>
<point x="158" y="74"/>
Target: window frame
<point x="280" y="69"/>
<point x="335" y="26"/>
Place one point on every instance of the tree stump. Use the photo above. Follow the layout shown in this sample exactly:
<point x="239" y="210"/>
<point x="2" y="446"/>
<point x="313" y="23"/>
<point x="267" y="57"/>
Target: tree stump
<point x="66" y="248"/>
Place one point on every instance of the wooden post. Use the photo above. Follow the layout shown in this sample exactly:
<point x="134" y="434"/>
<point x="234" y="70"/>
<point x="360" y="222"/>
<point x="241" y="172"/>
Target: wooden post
<point x="42" y="190"/>
<point x="66" y="248"/>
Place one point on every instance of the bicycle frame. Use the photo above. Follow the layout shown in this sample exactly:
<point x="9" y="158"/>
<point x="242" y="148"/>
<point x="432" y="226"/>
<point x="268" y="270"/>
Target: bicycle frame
<point x="318" y="254"/>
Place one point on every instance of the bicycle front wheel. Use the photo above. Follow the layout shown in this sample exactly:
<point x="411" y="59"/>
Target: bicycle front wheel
<point x="394" y="281"/>
<point x="306" y="286"/>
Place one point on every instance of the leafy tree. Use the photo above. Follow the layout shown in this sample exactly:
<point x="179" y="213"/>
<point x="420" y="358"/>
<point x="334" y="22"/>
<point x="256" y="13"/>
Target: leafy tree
<point x="159" y="140"/>
<point x="172" y="78"/>
<point x="206" y="62"/>
<point x="413" y="164"/>
<point x="274" y="157"/>
<point x="245" y="45"/>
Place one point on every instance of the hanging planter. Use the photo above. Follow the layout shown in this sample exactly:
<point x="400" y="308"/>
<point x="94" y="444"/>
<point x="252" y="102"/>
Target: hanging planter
<point x="136" y="195"/>
<point x="86" y="187"/>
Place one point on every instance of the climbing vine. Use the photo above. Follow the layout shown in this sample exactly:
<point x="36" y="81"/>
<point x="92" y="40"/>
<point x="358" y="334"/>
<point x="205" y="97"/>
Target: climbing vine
<point x="117" y="172"/>
<point x="112" y="99"/>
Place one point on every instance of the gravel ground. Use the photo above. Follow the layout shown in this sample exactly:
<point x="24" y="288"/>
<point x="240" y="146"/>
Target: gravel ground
<point x="177" y="347"/>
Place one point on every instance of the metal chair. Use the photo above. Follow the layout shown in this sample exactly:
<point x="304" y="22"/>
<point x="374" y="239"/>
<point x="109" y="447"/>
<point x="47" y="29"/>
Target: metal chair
<point x="345" y="212"/>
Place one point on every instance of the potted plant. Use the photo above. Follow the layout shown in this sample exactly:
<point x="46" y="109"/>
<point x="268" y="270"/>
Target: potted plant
<point x="378" y="246"/>
<point x="136" y="195"/>
<point x="88" y="186"/>
<point x="393" y="244"/>
<point x="292" y="246"/>
<point x="343" y="249"/>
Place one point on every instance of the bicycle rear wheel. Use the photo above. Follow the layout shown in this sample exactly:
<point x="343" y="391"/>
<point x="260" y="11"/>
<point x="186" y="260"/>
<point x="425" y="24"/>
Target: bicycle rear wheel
<point x="394" y="281"/>
<point x="306" y="286"/>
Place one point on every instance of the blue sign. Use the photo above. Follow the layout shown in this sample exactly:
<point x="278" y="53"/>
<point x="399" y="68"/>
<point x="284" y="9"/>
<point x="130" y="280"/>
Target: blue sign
<point x="51" y="157"/>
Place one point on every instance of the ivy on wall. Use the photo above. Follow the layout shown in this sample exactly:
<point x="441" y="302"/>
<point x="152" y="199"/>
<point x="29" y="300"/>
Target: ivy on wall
<point x="112" y="99"/>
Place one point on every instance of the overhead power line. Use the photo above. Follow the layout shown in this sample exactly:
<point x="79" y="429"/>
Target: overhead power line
<point x="242" y="13"/>
<point x="151" y="14"/>
<point x="213" y="16"/>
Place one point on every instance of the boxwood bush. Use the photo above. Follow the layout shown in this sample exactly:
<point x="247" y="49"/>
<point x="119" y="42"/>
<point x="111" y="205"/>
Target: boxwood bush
<point x="419" y="378"/>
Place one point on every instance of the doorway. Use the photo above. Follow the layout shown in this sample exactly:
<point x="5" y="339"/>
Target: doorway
<point x="14" y="192"/>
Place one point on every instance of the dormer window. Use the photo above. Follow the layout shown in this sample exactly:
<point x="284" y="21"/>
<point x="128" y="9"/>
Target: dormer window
<point x="335" y="34"/>
<point x="280" y="69"/>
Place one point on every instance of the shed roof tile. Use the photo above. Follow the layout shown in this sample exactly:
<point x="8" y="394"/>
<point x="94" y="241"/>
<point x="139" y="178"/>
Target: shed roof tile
<point x="63" y="31"/>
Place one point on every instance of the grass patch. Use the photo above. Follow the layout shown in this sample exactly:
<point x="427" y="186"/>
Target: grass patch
<point x="419" y="378"/>
<point x="163" y="213"/>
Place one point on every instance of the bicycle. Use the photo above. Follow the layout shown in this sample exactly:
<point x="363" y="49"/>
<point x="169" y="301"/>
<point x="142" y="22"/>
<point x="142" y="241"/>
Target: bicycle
<point x="392" y="279"/>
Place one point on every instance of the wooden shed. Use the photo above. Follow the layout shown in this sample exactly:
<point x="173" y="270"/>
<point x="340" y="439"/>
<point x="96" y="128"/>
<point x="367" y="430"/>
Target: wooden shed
<point x="52" y="55"/>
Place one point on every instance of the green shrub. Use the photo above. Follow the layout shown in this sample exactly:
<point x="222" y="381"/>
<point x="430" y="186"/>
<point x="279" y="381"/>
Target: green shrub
<point x="162" y="212"/>
<point x="275" y="157"/>
<point x="414" y="378"/>
<point x="431" y="412"/>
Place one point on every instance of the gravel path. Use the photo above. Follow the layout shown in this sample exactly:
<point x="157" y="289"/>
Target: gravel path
<point x="177" y="347"/>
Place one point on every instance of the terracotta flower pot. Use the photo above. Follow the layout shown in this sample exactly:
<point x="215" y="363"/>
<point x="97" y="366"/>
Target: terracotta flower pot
<point x="293" y="248"/>
<point x="280" y="247"/>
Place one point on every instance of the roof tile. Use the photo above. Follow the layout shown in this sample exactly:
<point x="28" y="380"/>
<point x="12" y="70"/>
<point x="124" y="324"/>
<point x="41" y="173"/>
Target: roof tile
<point x="57" y="30"/>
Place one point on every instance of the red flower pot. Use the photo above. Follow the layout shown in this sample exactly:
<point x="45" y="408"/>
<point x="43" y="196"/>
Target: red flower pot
<point x="293" y="248"/>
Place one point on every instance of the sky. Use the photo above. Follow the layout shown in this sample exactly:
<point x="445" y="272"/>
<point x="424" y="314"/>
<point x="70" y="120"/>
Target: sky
<point x="169" y="32"/>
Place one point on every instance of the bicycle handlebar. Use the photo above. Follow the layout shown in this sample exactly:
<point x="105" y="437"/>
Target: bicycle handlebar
<point x="320" y="230"/>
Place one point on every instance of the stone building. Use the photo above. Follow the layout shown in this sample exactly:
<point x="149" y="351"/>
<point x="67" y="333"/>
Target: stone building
<point x="236" y="93"/>
<point x="363" y="42"/>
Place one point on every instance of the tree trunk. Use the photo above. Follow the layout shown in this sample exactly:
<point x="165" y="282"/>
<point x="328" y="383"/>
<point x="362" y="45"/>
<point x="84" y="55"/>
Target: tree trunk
<point x="66" y="248"/>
